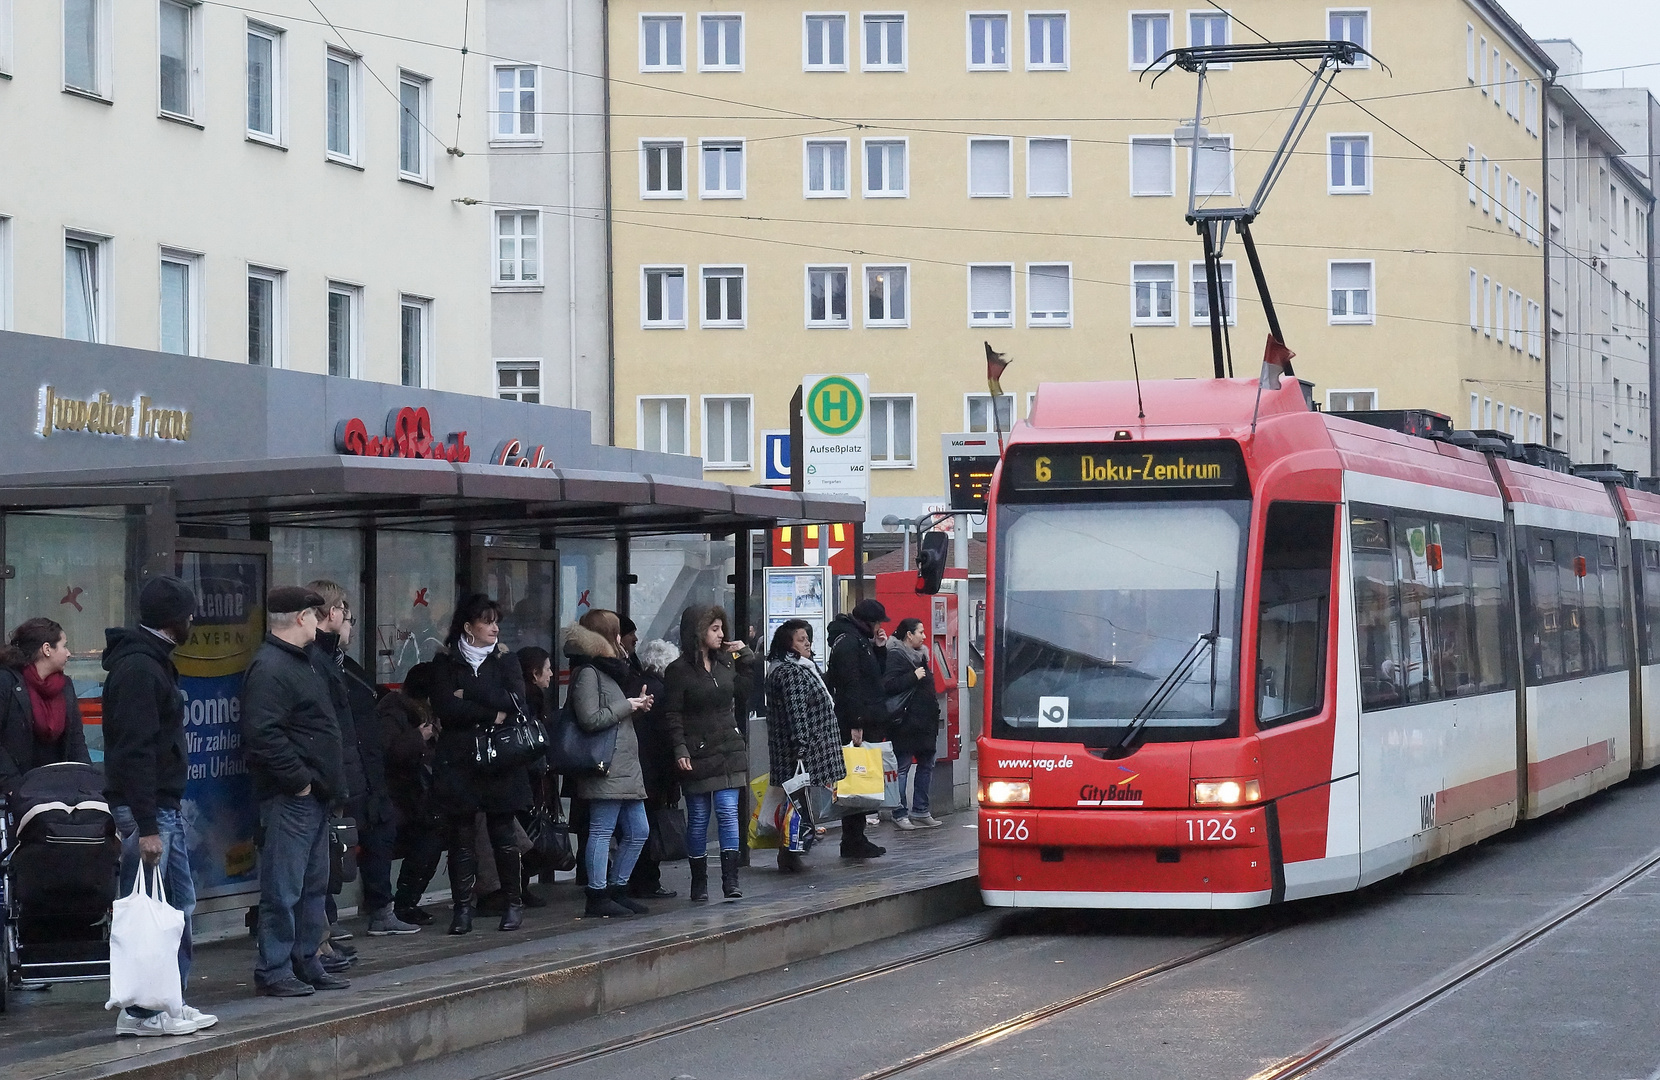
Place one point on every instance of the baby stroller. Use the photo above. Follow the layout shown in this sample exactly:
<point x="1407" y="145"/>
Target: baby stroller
<point x="58" y="861"/>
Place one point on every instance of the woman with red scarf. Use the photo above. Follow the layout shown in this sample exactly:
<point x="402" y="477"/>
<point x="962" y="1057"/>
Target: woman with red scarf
<point x="40" y="719"/>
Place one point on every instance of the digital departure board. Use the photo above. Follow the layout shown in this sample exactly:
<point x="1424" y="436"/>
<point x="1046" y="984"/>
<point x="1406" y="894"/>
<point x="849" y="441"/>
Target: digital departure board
<point x="1122" y="467"/>
<point x="970" y="461"/>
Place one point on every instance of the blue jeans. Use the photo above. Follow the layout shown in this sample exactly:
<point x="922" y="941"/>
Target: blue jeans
<point x="293" y="886"/>
<point x="606" y="816"/>
<point x="725" y="802"/>
<point x="174" y="867"/>
<point x="924" y="763"/>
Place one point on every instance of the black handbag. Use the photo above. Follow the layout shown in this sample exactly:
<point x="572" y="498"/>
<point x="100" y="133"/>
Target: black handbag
<point x="550" y="839"/>
<point x="575" y="752"/>
<point x="894" y="705"/>
<point x="667" y="839"/>
<point x="342" y="853"/>
<point x="517" y="741"/>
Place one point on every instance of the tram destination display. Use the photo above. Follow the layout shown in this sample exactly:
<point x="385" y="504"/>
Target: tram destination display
<point x="1113" y="467"/>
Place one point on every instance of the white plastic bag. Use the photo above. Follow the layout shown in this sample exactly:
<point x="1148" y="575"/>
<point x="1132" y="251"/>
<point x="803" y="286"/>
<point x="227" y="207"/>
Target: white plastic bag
<point x="891" y="789"/>
<point x="144" y="949"/>
<point x="800" y="780"/>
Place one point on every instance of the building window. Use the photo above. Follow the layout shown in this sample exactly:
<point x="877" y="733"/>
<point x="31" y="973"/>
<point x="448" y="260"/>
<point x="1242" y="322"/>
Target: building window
<point x="265" y="77"/>
<point x="661" y="40"/>
<point x="1201" y="295"/>
<point x="265" y="317"/>
<point x="1486" y="193"/>
<point x="726" y="440"/>
<point x="663" y="425"/>
<point x="826" y="46"/>
<point x="415" y="341"/>
<point x="85" y="46"/>
<point x="1512" y="91"/>
<point x="1498" y="195"/>
<point x="518" y="249"/>
<point x="884" y="42"/>
<point x="1533" y="234"/>
<point x="83" y="288"/>
<point x="345" y="305"/>
<point x="827" y="296"/>
<point x="1470" y="51"/>
<point x="1046" y="41"/>
<point x="342" y="106"/>
<point x="978" y="415"/>
<point x="988" y="41"/>
<point x="1215" y="172"/>
<point x="723" y="168"/>
<point x="514" y="113"/>
<point x="826" y="169"/>
<point x="892" y="431"/>
<point x="663" y="169"/>
<point x="1149" y="37"/>
<point x="1153" y="294"/>
<point x="1048" y="168"/>
<point x="1351" y="400"/>
<point x="179" y="68"/>
<point x="1048" y="294"/>
<point x="723" y="296"/>
<point x="1351" y="172"/>
<point x="1467" y="167"/>
<point x="1350" y="26"/>
<point x="1516" y="314"/>
<point x="1532" y="109"/>
<point x="1481" y="57"/>
<point x="1351" y="292"/>
<point x="1496" y="306"/>
<point x="180" y="314"/>
<point x="1475" y="299"/>
<point x="1535" y="330"/>
<point x="723" y="42"/>
<point x="1208" y="29"/>
<point x="885" y="171"/>
<point x="663" y="299"/>
<point x="1152" y="166"/>
<point x="413" y="111"/>
<point x="1495" y="87"/>
<point x="887" y="296"/>
<point x="991" y="295"/>
<point x="990" y="172"/>
<point x="519" y="380"/>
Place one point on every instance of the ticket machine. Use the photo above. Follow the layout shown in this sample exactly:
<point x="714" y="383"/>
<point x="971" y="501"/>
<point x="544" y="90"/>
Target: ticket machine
<point x="939" y="615"/>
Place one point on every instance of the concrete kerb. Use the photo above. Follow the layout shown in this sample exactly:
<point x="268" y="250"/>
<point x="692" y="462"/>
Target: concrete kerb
<point x="426" y="1021"/>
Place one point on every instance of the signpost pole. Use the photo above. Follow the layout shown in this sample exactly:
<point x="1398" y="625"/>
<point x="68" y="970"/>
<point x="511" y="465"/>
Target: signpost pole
<point x="962" y="767"/>
<point x="798" y="477"/>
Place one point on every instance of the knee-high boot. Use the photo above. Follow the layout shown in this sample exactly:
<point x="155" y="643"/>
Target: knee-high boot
<point x="463" y="877"/>
<point x="700" y="877"/>
<point x="729" y="863"/>
<point x="512" y="885"/>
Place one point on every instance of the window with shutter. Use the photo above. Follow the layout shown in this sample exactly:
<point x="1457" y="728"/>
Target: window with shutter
<point x="1049" y="294"/>
<point x="989" y="169"/>
<point x="1201" y="295"/>
<point x="1048" y="168"/>
<point x="991" y="295"/>
<point x="1351" y="292"/>
<point x="1152" y="166"/>
<point x="1215" y="173"/>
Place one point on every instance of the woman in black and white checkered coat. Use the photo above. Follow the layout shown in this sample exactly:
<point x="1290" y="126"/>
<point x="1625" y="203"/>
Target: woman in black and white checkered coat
<point x="801" y="726"/>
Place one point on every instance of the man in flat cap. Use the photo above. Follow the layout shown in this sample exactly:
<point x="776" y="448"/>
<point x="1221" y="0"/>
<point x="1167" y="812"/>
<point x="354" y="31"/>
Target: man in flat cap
<point x="146" y="763"/>
<point x="291" y="738"/>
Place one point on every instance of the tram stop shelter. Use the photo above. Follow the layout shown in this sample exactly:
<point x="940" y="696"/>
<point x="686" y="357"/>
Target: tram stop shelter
<point x="119" y="463"/>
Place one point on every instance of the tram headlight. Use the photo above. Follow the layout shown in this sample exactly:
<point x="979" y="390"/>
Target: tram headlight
<point x="1005" y="792"/>
<point x="1226" y="792"/>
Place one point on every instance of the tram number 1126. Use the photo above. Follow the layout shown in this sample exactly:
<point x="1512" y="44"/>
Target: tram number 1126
<point x="1211" y="829"/>
<point x="1007" y="829"/>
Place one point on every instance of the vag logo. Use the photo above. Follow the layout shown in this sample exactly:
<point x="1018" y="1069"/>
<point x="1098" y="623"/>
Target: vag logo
<point x="1426" y="811"/>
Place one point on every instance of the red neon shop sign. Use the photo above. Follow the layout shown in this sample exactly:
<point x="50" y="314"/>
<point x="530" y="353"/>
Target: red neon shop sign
<point x="408" y="435"/>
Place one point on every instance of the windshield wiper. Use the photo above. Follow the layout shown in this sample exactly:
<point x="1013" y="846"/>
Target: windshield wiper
<point x="1167" y="687"/>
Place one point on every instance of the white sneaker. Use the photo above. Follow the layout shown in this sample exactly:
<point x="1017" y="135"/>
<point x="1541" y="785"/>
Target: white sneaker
<point x="160" y="1024"/>
<point x="202" y="1020"/>
<point x="904" y="823"/>
<point x="925" y="821"/>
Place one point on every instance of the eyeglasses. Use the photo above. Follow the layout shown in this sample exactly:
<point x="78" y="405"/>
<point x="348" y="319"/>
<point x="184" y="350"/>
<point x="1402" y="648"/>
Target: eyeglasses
<point x="350" y="620"/>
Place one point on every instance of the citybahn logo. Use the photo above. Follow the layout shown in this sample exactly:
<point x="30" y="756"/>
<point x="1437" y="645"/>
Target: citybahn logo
<point x="1121" y="792"/>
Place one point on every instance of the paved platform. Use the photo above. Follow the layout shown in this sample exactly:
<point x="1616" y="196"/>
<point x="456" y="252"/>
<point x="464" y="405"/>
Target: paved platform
<point x="419" y="996"/>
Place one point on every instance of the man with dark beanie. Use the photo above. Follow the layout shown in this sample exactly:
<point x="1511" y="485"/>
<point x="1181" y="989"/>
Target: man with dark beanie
<point x="855" y="681"/>
<point x="292" y="742"/>
<point x="146" y="763"/>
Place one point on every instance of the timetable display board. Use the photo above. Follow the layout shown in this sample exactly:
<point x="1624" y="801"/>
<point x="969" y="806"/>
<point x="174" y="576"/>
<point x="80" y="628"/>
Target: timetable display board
<point x="1109" y="467"/>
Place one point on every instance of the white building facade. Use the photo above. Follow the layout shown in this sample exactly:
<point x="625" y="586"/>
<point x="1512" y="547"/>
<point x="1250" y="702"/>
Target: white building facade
<point x="1599" y="250"/>
<point x="273" y="188"/>
<point x="550" y="287"/>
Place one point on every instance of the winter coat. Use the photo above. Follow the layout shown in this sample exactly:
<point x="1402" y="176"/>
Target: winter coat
<point x="291" y="736"/>
<point x="376" y="796"/>
<point x="20" y="751"/>
<point x="459" y="788"/>
<point x="855" y="681"/>
<point x="651" y="729"/>
<point x="916" y="727"/>
<point x="146" y="758"/>
<point x="324" y="653"/>
<point x="599" y="702"/>
<point x="703" y="707"/>
<point x="801" y="724"/>
<point x="408" y="756"/>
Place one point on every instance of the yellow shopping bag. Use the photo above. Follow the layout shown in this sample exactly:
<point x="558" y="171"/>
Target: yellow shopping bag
<point x="763" y="832"/>
<point x="863" y="787"/>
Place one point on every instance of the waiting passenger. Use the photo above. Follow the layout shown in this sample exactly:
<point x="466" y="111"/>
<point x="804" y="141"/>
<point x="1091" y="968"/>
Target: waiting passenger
<point x="40" y="718"/>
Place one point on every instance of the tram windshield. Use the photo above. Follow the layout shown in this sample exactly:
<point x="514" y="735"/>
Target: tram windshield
<point x="1104" y="607"/>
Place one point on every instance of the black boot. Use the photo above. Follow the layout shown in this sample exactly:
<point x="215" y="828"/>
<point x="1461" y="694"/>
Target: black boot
<point x="463" y="877"/>
<point x="601" y="906"/>
<point x="512" y="882"/>
<point x="700" y="877"/>
<point x="619" y="893"/>
<point x="729" y="861"/>
<point x="789" y="862"/>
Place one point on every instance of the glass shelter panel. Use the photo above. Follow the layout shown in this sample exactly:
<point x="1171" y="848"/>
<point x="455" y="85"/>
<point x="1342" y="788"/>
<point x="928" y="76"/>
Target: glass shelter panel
<point x="414" y="599"/>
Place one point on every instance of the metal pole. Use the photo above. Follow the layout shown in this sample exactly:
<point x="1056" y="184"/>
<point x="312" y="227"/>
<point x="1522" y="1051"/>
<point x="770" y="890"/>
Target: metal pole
<point x="1262" y="282"/>
<point x="961" y="774"/>
<point x="1213" y="289"/>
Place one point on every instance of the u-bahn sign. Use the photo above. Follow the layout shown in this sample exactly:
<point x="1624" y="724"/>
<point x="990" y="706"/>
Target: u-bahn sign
<point x="836" y="431"/>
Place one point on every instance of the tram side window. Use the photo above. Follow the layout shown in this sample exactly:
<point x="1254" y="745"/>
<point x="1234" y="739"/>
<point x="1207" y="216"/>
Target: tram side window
<point x="1453" y="641"/>
<point x="1576" y="625"/>
<point x="1377" y="636"/>
<point x="1613" y="611"/>
<point x="1414" y="538"/>
<point x="1648" y="586"/>
<point x="1293" y="611"/>
<point x="1544" y="635"/>
<point x="1487" y="583"/>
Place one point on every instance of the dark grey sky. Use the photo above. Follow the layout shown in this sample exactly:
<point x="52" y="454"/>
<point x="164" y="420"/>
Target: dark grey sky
<point x="1611" y="33"/>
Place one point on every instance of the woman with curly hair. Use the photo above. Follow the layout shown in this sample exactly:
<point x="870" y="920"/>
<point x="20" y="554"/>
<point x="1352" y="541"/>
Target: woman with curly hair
<point x="801" y="726"/>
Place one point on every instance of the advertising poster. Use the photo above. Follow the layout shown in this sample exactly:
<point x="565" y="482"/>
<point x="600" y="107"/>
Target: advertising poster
<point x="220" y="814"/>
<point x="798" y="592"/>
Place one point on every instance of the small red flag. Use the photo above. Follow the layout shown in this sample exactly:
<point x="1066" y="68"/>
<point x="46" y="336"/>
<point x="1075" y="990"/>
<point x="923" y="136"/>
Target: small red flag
<point x="1276" y="361"/>
<point x="996" y="363"/>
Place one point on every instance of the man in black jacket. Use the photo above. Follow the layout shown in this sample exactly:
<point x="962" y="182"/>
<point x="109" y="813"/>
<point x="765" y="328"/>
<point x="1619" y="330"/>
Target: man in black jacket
<point x="291" y="738"/>
<point x="146" y="763"/>
<point x="855" y="681"/>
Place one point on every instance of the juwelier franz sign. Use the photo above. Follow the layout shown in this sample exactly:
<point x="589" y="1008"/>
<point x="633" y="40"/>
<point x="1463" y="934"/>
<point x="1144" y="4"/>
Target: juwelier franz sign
<point x="101" y="414"/>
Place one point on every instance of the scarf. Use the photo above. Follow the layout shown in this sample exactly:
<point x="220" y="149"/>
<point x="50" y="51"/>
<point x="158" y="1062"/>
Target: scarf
<point x="793" y="657"/>
<point x="46" y="695"/>
<point x="614" y="666"/>
<point x="473" y="654"/>
<point x="914" y="658"/>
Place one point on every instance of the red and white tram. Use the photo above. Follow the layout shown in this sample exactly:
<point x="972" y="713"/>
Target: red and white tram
<point x="1241" y="652"/>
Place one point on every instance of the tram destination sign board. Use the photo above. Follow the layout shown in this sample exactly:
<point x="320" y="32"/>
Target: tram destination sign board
<point x="1120" y="467"/>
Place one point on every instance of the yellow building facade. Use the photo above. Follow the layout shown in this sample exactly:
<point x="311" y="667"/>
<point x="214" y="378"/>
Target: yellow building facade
<point x="796" y="189"/>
